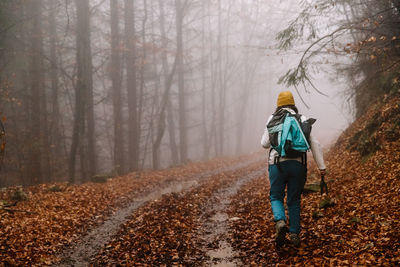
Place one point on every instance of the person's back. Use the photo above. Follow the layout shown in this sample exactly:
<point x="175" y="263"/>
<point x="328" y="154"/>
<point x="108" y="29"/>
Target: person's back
<point x="288" y="170"/>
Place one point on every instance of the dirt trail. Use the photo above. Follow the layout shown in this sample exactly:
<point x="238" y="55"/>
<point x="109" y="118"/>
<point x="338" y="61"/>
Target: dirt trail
<point x="89" y="245"/>
<point x="214" y="232"/>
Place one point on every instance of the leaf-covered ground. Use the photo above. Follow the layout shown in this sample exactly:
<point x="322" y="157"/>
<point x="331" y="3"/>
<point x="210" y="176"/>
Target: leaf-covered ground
<point x="164" y="232"/>
<point x="57" y="219"/>
<point x="362" y="228"/>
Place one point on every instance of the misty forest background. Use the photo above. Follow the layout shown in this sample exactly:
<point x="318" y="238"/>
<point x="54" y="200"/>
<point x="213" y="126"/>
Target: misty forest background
<point x="96" y="87"/>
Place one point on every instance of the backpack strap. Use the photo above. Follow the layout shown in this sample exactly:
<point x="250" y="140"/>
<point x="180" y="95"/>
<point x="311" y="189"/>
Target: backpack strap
<point x="277" y="162"/>
<point x="297" y="116"/>
<point x="304" y="159"/>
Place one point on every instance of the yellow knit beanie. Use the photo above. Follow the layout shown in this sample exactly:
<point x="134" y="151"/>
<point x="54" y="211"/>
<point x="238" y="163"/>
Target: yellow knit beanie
<point x="285" y="99"/>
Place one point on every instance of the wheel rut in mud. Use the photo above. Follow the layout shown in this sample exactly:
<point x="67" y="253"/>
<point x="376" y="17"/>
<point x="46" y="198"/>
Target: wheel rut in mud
<point x="214" y="230"/>
<point x="82" y="252"/>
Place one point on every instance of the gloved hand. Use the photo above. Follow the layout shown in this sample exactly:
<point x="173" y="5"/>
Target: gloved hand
<point x="323" y="185"/>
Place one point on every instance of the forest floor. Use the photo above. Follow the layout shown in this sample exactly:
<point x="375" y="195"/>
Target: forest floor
<point x="217" y="212"/>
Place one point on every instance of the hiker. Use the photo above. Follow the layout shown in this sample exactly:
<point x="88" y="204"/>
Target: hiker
<point x="288" y="167"/>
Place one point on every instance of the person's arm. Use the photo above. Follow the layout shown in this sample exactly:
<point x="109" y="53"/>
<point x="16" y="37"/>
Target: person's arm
<point x="265" y="138"/>
<point x="317" y="154"/>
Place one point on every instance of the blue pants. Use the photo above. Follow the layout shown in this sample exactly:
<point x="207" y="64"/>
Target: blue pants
<point x="293" y="175"/>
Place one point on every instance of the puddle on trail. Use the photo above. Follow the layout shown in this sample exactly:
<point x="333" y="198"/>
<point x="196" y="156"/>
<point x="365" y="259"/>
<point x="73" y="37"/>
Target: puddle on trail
<point x="215" y="228"/>
<point x="174" y="187"/>
<point x="223" y="253"/>
<point x="220" y="217"/>
<point x="222" y="256"/>
<point x="177" y="187"/>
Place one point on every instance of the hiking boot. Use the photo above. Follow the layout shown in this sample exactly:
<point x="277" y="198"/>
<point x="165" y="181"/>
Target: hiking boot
<point x="281" y="231"/>
<point x="295" y="239"/>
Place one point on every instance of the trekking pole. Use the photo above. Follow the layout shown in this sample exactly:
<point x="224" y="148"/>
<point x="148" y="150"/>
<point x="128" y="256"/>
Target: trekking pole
<point x="323" y="185"/>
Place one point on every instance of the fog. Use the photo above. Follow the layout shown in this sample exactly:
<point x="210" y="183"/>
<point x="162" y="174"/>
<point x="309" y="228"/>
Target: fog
<point x="110" y="87"/>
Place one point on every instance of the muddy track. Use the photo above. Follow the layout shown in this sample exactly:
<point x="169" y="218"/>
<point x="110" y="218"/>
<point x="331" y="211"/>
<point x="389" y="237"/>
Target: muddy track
<point x="81" y="253"/>
<point x="214" y="231"/>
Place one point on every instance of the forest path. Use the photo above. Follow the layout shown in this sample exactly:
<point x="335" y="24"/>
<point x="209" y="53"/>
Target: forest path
<point x="214" y="231"/>
<point x="83" y="251"/>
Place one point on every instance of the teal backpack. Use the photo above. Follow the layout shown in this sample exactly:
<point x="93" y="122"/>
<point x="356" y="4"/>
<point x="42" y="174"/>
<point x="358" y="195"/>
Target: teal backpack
<point x="288" y="135"/>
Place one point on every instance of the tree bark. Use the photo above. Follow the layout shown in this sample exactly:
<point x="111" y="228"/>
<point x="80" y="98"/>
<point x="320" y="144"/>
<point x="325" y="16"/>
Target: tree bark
<point x="143" y="65"/>
<point x="221" y="86"/>
<point x="240" y="124"/>
<point x="36" y="77"/>
<point x="164" y="59"/>
<point x="181" y="83"/>
<point x="23" y="82"/>
<point x="83" y="95"/>
<point x="161" y="118"/>
<point x="203" y="82"/>
<point x="55" y="135"/>
<point x="213" y="81"/>
<point x="119" y="165"/>
<point x="161" y="121"/>
<point x="44" y="135"/>
<point x="88" y="78"/>
<point x="130" y="56"/>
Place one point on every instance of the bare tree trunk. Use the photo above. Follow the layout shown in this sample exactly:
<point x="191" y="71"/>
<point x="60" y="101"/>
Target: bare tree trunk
<point x="245" y="74"/>
<point x="56" y="138"/>
<point x="203" y="82"/>
<point x="119" y="165"/>
<point x="83" y="155"/>
<point x="36" y="77"/>
<point x="249" y="66"/>
<point x="172" y="134"/>
<point x="213" y="79"/>
<point x="43" y="106"/>
<point x="23" y="82"/>
<point x="221" y="85"/>
<point x="88" y="76"/>
<point x="161" y="118"/>
<point x="78" y="125"/>
<point x="164" y="59"/>
<point x="156" y="140"/>
<point x="181" y="83"/>
<point x="83" y="94"/>
<point x="45" y="135"/>
<point x="143" y="65"/>
<point x="130" y="56"/>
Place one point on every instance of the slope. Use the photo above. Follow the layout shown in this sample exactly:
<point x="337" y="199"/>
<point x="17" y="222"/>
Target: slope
<point x="362" y="226"/>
